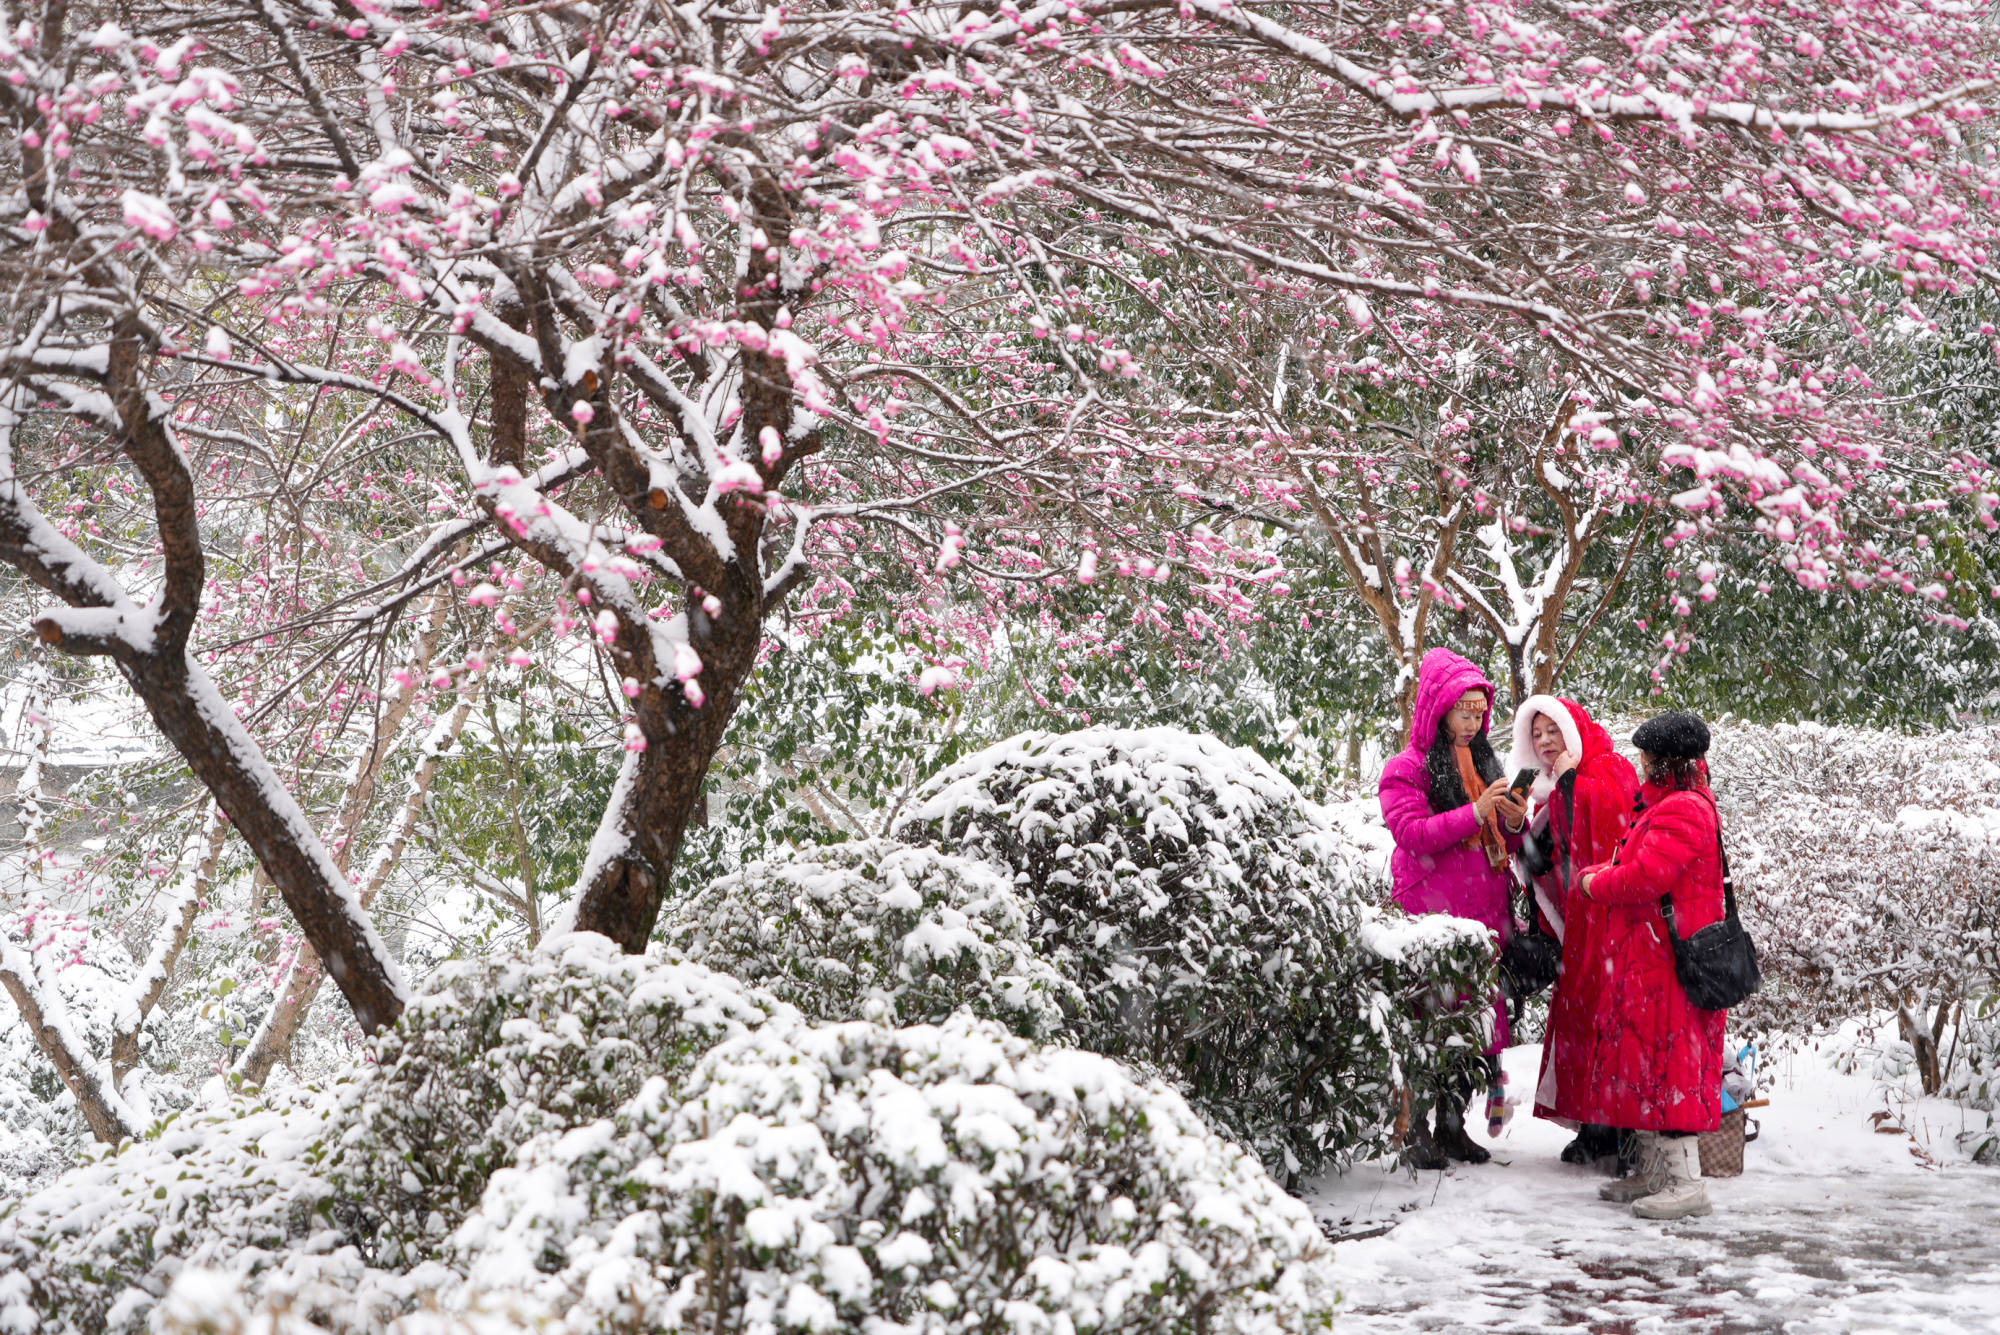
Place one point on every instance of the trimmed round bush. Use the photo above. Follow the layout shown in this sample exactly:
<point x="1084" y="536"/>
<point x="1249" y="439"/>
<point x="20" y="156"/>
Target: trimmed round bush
<point x="329" y="1195"/>
<point x="931" y="1180"/>
<point x="1222" y="929"/>
<point x="644" y="1142"/>
<point x="876" y="930"/>
<point x="503" y="1049"/>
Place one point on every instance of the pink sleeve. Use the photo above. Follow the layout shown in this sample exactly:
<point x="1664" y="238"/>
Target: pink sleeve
<point x="1406" y="807"/>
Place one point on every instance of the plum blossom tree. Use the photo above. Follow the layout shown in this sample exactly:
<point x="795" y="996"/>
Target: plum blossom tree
<point x="666" y="311"/>
<point x="1515" y="285"/>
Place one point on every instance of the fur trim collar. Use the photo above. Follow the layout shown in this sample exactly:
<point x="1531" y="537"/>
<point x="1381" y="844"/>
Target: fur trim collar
<point x="1524" y="740"/>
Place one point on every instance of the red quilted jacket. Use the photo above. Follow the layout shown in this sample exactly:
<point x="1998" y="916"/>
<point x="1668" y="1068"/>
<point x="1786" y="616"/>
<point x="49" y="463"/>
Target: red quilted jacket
<point x="1648" y="1059"/>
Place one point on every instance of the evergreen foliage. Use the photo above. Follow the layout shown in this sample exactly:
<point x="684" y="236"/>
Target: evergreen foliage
<point x="1221" y="929"/>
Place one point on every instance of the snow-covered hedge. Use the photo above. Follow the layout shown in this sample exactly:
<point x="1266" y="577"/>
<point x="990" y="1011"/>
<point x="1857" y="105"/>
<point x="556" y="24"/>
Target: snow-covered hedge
<point x="1868" y="865"/>
<point x="944" y="1178"/>
<point x="1972" y="1075"/>
<point x="1221" y="928"/>
<point x="235" y="1186"/>
<point x="344" y="1187"/>
<point x="663" y="1148"/>
<point x="501" y="1050"/>
<point x="876" y="930"/>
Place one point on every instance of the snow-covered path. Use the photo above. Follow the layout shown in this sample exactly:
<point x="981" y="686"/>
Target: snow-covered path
<point x="1833" y="1228"/>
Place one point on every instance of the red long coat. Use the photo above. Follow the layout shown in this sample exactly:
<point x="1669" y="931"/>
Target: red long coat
<point x="1587" y="816"/>
<point x="1650" y="1061"/>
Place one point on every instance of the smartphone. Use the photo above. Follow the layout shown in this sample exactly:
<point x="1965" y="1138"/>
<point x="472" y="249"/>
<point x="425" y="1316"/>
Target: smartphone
<point x="1525" y="780"/>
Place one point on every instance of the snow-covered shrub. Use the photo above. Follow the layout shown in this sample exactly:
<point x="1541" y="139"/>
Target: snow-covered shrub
<point x="240" y="1185"/>
<point x="875" y="930"/>
<point x="500" y="1050"/>
<point x="338" y="1190"/>
<point x="1868" y="867"/>
<point x="648" y="1137"/>
<point x="40" y="1130"/>
<point x="1222" y="929"/>
<point x="933" y="1179"/>
<point x="1972" y="1073"/>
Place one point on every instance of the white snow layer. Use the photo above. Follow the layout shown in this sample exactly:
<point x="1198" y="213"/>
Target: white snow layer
<point x="1835" y="1226"/>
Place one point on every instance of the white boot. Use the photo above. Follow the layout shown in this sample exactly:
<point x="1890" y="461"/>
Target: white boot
<point x="1648" y="1175"/>
<point x="1685" y="1193"/>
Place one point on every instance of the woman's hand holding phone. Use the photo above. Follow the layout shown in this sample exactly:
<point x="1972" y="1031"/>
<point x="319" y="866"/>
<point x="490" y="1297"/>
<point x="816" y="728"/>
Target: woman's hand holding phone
<point x="1498" y="798"/>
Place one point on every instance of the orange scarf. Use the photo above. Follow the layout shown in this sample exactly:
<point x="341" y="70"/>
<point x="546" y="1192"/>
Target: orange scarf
<point x="1488" y="836"/>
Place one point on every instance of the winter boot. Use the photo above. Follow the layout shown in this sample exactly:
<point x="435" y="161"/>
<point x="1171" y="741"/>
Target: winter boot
<point x="1420" y="1150"/>
<point x="1685" y="1193"/>
<point x="1648" y="1175"/>
<point x="1451" y="1136"/>
<point x="1593" y="1142"/>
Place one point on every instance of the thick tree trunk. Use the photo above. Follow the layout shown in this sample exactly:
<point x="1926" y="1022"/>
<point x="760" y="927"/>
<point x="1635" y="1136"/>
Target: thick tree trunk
<point x="194" y="717"/>
<point x="660" y="790"/>
<point x="1923" y="1043"/>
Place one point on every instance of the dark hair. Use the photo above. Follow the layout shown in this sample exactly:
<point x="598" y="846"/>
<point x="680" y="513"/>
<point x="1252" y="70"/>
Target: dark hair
<point x="1447" y="789"/>
<point x="1679" y="773"/>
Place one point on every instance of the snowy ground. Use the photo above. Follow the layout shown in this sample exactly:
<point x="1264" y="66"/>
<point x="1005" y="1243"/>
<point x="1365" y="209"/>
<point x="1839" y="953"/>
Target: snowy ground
<point x="1834" y="1227"/>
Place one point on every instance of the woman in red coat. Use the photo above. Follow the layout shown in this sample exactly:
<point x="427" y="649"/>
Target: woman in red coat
<point x="1655" y="1057"/>
<point x="1583" y="802"/>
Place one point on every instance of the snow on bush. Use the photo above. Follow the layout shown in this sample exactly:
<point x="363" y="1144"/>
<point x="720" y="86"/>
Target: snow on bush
<point x="876" y="930"/>
<point x="643" y="1144"/>
<point x="342" y="1188"/>
<point x="1868" y="866"/>
<point x="951" y="1178"/>
<point x="503" y="1049"/>
<point x="1222" y="929"/>
<point x="237" y="1185"/>
<point x="1972" y="1076"/>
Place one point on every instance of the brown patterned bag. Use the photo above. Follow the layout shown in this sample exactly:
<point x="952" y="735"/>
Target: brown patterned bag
<point x="1722" y="1148"/>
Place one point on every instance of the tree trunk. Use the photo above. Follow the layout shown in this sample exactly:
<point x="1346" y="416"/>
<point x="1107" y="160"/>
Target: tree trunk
<point x="103" y="1111"/>
<point x="149" y="644"/>
<point x="1922" y="1041"/>
<point x="660" y="790"/>
<point x="194" y="717"/>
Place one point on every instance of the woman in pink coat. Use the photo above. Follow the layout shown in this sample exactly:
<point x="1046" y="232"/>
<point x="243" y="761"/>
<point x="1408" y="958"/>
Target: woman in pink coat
<point x="1446" y="803"/>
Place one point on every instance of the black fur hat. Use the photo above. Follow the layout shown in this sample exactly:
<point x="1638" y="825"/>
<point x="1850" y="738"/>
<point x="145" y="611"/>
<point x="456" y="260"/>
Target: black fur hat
<point x="1674" y="735"/>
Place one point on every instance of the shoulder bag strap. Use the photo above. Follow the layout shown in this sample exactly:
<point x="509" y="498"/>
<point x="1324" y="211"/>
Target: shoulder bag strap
<point x="1722" y="855"/>
<point x="1728" y="883"/>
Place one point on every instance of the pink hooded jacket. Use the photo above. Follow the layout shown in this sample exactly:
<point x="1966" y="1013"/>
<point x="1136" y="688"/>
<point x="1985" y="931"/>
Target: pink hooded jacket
<point x="1434" y="868"/>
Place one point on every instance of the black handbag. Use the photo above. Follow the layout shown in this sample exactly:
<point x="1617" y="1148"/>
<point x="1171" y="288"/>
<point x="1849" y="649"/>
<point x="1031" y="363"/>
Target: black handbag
<point x="1531" y="959"/>
<point x="1718" y="964"/>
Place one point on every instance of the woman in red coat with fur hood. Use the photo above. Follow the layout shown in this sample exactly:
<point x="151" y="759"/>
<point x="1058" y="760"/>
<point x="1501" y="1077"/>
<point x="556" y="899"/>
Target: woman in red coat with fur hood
<point x="1583" y="801"/>
<point x="1655" y="1058"/>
